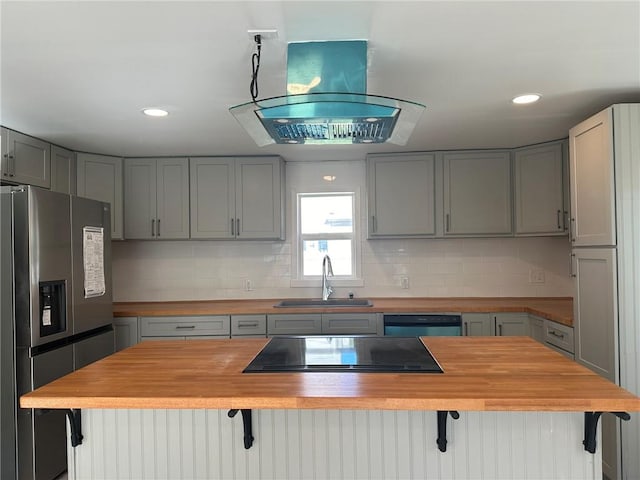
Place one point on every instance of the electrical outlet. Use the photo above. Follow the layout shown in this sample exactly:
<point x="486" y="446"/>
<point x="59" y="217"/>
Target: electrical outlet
<point x="536" y="275"/>
<point x="404" y="281"/>
<point x="247" y="285"/>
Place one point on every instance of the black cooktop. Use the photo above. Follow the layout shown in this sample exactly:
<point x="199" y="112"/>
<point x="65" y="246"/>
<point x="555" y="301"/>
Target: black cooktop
<point x="344" y="354"/>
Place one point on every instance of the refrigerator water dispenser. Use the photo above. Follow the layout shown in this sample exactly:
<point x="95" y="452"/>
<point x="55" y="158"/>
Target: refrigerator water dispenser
<point x="53" y="310"/>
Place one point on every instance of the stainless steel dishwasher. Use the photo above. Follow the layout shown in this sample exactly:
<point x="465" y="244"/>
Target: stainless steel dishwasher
<point x="422" y="325"/>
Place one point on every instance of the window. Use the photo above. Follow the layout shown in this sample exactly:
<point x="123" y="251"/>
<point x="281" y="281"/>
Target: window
<point x="326" y="227"/>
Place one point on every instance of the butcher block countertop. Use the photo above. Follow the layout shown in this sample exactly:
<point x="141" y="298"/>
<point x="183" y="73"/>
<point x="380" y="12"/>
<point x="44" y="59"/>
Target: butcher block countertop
<point x="480" y="373"/>
<point x="558" y="309"/>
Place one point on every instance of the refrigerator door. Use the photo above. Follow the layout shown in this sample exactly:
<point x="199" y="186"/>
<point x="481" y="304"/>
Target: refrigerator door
<point x="93" y="348"/>
<point x="91" y="252"/>
<point x="42" y="266"/>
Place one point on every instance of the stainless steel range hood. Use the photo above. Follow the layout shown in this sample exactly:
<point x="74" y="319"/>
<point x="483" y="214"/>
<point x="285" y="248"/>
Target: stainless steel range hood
<point x="327" y="102"/>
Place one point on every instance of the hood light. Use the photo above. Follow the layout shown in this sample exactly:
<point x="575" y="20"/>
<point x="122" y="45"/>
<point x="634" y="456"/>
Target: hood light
<point x="527" y="98"/>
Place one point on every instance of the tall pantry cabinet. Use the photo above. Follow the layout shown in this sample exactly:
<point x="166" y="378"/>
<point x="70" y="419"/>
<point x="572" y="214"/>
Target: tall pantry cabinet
<point x="605" y="235"/>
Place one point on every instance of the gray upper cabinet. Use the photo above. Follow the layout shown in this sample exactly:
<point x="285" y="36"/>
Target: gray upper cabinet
<point x="25" y="159"/>
<point x="477" y="194"/>
<point x="539" y="192"/>
<point x="100" y="177"/>
<point x="238" y="198"/>
<point x="63" y="170"/>
<point x="401" y="195"/>
<point x="156" y="196"/>
<point x="592" y="181"/>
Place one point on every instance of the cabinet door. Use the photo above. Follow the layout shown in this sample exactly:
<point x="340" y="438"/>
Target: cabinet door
<point x="592" y="177"/>
<point x="212" y="192"/>
<point x="25" y="159"/>
<point x="477" y="324"/>
<point x="259" y="199"/>
<point x="294" y="324"/>
<point x="538" y="189"/>
<point x="140" y="220"/>
<point x="349" y="323"/>
<point x="100" y="177"/>
<point x="172" y="198"/>
<point x="63" y="170"/>
<point x="536" y="328"/>
<point x="511" y="324"/>
<point x="125" y="331"/>
<point x="477" y="193"/>
<point x="401" y="195"/>
<point x="595" y="310"/>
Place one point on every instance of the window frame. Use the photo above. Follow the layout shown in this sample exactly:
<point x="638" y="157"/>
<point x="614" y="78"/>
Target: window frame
<point x="298" y="278"/>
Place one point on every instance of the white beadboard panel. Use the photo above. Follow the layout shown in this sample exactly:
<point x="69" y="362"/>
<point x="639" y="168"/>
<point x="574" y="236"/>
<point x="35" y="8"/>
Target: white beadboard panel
<point x="627" y="164"/>
<point x="330" y="444"/>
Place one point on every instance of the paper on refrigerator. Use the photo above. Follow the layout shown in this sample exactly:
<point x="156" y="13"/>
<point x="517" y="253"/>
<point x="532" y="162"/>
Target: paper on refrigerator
<point x="93" y="260"/>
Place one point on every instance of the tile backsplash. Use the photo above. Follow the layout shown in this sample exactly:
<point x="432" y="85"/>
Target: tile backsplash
<point x="206" y="270"/>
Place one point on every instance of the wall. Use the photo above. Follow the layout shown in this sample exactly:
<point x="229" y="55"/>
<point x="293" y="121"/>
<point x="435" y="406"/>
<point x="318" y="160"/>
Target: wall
<point x="204" y="270"/>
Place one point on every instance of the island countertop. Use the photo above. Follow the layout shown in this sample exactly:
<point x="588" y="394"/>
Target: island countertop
<point x="559" y="309"/>
<point x="480" y="374"/>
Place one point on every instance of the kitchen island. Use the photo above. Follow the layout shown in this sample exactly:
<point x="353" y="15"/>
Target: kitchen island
<point x="159" y="410"/>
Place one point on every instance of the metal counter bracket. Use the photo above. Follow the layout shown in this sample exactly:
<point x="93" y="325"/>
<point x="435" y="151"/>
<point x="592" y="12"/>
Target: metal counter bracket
<point x="75" y="424"/>
<point x="591" y="427"/>
<point x="246" y="425"/>
<point x="442" y="427"/>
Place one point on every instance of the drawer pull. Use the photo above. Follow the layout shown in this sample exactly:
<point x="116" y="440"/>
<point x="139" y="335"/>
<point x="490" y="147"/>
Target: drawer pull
<point x="248" y="325"/>
<point x="556" y="334"/>
<point x="185" y="327"/>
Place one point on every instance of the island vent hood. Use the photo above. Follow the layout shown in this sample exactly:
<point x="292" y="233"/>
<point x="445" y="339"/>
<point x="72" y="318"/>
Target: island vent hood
<point x="327" y="101"/>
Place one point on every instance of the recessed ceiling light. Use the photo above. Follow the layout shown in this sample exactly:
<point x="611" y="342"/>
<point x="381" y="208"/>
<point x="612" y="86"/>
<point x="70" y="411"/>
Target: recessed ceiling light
<point x="329" y="178"/>
<point x="527" y="98"/>
<point x="155" y="112"/>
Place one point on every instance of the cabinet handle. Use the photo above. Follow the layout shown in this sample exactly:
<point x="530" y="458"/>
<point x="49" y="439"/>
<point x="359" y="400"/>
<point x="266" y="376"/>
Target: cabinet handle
<point x="373" y="223"/>
<point x="248" y="325"/>
<point x="565" y="220"/>
<point x="12" y="165"/>
<point x="465" y="330"/>
<point x="158" y="227"/>
<point x="446" y="227"/>
<point x="571" y="272"/>
<point x="237" y="227"/>
<point x="556" y="334"/>
<point x="558" y="220"/>
<point x="6" y="157"/>
<point x="153" y="227"/>
<point x="500" y="329"/>
<point x="233" y="234"/>
<point x="573" y="229"/>
<point x="185" y="327"/>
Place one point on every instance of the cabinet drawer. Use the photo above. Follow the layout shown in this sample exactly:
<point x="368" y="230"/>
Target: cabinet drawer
<point x="349" y="323"/>
<point x="293" y="324"/>
<point x="249" y="325"/>
<point x="559" y="335"/>
<point x="185" y="326"/>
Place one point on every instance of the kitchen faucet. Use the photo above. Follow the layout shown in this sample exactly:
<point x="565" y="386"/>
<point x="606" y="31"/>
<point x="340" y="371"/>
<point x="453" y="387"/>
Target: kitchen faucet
<point x="327" y="271"/>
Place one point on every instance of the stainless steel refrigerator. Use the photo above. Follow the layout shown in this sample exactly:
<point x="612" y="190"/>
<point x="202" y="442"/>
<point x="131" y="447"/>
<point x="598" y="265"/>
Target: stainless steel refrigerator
<point x="55" y="317"/>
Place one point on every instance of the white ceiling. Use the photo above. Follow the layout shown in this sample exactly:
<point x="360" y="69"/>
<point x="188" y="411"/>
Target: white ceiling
<point x="78" y="73"/>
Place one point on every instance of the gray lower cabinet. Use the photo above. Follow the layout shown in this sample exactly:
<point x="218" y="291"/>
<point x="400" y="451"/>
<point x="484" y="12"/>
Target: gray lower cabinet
<point x="477" y="325"/>
<point x="536" y="328"/>
<point x="25" y="159"/>
<point x="324" y="324"/>
<point x="248" y="326"/>
<point x="511" y="324"/>
<point x="125" y="331"/>
<point x="201" y="326"/>
<point x="553" y="335"/>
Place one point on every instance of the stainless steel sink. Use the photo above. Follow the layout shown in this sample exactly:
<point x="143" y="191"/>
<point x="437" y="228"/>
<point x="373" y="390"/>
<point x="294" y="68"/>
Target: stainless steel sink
<point x="332" y="302"/>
